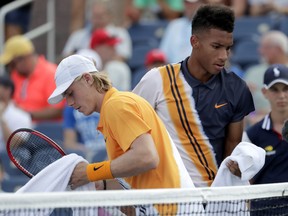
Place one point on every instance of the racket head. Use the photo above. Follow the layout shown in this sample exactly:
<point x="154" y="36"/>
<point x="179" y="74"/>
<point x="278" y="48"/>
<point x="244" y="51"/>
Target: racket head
<point x="31" y="151"/>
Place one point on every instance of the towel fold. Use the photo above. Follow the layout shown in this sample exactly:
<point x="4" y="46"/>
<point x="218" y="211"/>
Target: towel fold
<point x="250" y="159"/>
<point x="56" y="176"/>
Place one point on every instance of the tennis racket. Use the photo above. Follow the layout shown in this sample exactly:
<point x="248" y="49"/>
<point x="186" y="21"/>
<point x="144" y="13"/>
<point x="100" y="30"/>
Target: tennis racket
<point x="31" y="151"/>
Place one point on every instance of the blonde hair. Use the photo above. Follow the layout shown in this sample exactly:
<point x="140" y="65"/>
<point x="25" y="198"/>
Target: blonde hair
<point x="101" y="81"/>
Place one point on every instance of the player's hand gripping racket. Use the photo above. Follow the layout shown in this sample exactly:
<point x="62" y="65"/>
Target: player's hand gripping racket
<point x="31" y="151"/>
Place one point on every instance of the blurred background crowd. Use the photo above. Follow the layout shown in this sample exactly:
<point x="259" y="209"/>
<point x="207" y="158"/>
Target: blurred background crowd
<point x="126" y="38"/>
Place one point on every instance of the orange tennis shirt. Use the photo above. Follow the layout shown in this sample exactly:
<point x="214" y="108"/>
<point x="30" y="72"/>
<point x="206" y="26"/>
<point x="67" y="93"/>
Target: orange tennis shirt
<point x="31" y="93"/>
<point x="123" y="117"/>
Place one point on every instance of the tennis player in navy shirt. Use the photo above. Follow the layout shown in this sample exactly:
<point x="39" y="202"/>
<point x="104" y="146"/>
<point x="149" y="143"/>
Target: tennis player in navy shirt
<point x="202" y="104"/>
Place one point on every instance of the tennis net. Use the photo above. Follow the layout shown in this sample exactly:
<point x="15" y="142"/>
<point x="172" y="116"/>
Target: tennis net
<point x="254" y="200"/>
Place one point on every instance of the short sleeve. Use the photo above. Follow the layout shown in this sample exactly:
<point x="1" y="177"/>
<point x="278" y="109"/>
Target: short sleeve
<point x="125" y="122"/>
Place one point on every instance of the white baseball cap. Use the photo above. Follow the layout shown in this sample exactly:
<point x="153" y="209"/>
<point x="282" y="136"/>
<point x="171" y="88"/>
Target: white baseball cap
<point x="67" y="71"/>
<point x="91" y="54"/>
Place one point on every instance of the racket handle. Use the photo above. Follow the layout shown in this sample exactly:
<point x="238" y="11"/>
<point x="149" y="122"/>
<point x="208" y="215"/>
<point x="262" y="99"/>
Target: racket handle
<point x="285" y="131"/>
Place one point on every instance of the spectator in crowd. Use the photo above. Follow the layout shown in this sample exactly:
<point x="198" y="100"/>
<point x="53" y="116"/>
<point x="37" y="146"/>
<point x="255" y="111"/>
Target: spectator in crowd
<point x="154" y="58"/>
<point x="118" y="71"/>
<point x="77" y="14"/>
<point x="33" y="77"/>
<point x="138" y="145"/>
<point x="11" y="117"/>
<point x="273" y="49"/>
<point x="181" y="47"/>
<point x="201" y="104"/>
<point x="266" y="7"/>
<point x="267" y="134"/>
<point x="100" y="18"/>
<point x="80" y="134"/>
<point x="137" y="10"/>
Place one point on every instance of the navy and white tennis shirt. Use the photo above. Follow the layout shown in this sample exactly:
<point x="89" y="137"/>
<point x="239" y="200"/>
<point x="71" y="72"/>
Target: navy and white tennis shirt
<point x="196" y="114"/>
<point x="224" y="99"/>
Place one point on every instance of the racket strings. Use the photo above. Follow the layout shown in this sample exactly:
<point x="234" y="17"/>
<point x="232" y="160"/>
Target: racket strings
<point x="32" y="152"/>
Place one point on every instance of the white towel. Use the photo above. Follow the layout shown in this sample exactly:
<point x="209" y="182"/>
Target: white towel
<point x="250" y="159"/>
<point x="53" y="178"/>
<point x="56" y="176"/>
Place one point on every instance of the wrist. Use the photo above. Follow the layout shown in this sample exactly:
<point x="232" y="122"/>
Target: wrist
<point x="99" y="171"/>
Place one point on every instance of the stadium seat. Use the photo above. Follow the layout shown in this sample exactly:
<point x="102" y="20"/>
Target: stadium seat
<point x="245" y="54"/>
<point x="137" y="75"/>
<point x="54" y="130"/>
<point x="252" y="27"/>
<point x="150" y="32"/>
<point x="138" y="57"/>
<point x="283" y="25"/>
<point x="144" y="36"/>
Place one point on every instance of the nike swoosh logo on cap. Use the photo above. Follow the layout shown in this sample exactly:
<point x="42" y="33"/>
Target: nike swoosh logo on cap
<point x="96" y="168"/>
<point x="217" y="106"/>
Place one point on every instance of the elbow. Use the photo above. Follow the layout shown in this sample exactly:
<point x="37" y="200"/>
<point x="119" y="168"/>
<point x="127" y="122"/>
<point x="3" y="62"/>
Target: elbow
<point x="153" y="161"/>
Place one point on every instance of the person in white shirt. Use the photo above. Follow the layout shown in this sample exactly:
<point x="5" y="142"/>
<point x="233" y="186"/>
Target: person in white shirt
<point x="177" y="46"/>
<point x="11" y="117"/>
<point x="100" y="18"/>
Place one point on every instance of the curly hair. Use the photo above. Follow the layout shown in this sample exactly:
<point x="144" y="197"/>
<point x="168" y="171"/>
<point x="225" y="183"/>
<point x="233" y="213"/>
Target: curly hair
<point x="213" y="16"/>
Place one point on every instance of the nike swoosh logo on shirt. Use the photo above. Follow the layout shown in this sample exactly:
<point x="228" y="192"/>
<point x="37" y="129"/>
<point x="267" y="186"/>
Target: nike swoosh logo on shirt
<point x="96" y="168"/>
<point x="217" y="106"/>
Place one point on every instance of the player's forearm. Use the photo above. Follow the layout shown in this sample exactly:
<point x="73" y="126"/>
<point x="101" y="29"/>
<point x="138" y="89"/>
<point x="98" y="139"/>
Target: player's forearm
<point x="132" y="164"/>
<point x="141" y="157"/>
<point x="127" y="165"/>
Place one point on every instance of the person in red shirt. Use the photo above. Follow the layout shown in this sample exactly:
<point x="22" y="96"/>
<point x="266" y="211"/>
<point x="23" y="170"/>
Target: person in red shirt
<point x="33" y="77"/>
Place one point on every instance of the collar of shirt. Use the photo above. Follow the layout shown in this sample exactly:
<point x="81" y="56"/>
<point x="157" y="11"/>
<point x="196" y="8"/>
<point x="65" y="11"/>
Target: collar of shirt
<point x="194" y="82"/>
<point x="267" y="123"/>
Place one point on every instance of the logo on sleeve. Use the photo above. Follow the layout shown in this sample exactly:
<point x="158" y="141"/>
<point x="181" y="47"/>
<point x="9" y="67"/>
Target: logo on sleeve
<point x="217" y="106"/>
<point x="96" y="168"/>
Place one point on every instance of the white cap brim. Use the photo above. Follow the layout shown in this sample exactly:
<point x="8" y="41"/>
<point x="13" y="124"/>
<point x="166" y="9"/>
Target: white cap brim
<point x="57" y="95"/>
<point x="67" y="71"/>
